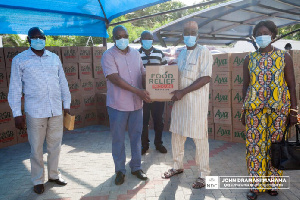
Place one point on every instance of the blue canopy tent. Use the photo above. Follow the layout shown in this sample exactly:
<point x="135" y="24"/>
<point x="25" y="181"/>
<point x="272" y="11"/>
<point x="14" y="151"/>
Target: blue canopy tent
<point x="65" y="17"/>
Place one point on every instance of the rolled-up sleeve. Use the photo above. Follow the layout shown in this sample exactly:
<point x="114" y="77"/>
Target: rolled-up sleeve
<point x="108" y="64"/>
<point x="65" y="92"/>
<point x="15" y="88"/>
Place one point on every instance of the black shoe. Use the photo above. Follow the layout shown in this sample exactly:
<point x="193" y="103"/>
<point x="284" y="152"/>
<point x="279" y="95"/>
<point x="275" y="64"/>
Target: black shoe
<point x="140" y="174"/>
<point x="161" y="148"/>
<point x="59" y="181"/>
<point x="39" y="189"/>
<point x="119" y="178"/>
<point x="144" y="150"/>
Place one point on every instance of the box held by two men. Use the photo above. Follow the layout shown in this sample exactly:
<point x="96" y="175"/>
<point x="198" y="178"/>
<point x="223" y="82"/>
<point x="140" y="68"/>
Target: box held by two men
<point x="161" y="80"/>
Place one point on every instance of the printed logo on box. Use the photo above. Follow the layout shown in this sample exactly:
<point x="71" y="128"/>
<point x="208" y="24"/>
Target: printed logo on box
<point x="212" y="182"/>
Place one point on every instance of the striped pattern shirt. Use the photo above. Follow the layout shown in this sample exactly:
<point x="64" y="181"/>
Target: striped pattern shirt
<point x="43" y="82"/>
<point x="189" y="115"/>
<point x="156" y="57"/>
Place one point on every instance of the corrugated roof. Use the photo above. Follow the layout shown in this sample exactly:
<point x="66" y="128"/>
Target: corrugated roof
<point x="232" y="21"/>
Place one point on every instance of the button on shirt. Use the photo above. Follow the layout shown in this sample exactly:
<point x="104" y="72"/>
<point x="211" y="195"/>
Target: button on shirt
<point x="43" y="82"/>
<point x="128" y="66"/>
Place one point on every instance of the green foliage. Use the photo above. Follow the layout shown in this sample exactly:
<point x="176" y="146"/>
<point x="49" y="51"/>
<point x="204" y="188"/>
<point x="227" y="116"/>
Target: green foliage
<point x="12" y="40"/>
<point x="285" y="30"/>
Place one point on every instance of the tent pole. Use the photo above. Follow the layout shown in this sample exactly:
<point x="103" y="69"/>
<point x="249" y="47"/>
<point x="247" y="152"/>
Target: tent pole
<point x="104" y="42"/>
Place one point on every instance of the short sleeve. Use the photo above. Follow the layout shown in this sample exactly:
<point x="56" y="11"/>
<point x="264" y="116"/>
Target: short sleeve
<point x="108" y="64"/>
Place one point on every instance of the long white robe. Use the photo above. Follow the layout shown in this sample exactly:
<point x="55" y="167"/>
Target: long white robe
<point x="189" y="115"/>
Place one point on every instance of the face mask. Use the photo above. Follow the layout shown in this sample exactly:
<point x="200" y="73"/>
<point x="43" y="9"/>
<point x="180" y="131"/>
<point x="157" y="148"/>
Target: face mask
<point x="189" y="41"/>
<point x="38" y="44"/>
<point x="263" y="41"/>
<point x="147" y="44"/>
<point x="122" y="43"/>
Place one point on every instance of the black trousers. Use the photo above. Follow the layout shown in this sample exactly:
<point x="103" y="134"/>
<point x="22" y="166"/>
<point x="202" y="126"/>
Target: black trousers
<point x="156" y="109"/>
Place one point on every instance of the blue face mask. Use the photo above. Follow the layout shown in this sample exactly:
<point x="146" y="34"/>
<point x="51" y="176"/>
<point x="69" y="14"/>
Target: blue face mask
<point x="147" y="44"/>
<point x="189" y="41"/>
<point x="38" y="44"/>
<point x="122" y="43"/>
<point x="263" y="41"/>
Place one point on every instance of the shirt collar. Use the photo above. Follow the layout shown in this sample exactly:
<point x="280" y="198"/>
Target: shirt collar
<point x="31" y="53"/>
<point x="144" y="51"/>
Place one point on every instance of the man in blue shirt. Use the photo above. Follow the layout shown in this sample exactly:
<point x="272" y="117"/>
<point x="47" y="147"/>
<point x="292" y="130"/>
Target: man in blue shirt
<point x="38" y="74"/>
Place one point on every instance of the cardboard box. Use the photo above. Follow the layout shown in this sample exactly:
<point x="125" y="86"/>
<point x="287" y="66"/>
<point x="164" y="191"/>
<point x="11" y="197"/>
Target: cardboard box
<point x="210" y="115"/>
<point x="79" y="120"/>
<point x="221" y="63"/>
<point x="3" y="95"/>
<point x="239" y="133"/>
<point x="236" y="116"/>
<point x="3" y="79"/>
<point x="85" y="55"/>
<point x="71" y="71"/>
<point x="22" y="135"/>
<point x="55" y="50"/>
<point x="210" y="99"/>
<point x="237" y="99"/>
<point x="6" y="115"/>
<point x="221" y="80"/>
<point x="102" y="116"/>
<point x="88" y="86"/>
<point x="85" y="70"/>
<point x="222" y="98"/>
<point x="8" y="135"/>
<point x="100" y="100"/>
<point x="75" y="86"/>
<point x="90" y="117"/>
<point x="211" y="131"/>
<point x="77" y="104"/>
<point x="223" y="132"/>
<point x="236" y="60"/>
<point x="10" y="53"/>
<point x="97" y="70"/>
<point x="97" y="54"/>
<point x="161" y="80"/>
<point x="2" y="60"/>
<point x="100" y="85"/>
<point x="237" y="79"/>
<point x="222" y="115"/>
<point x="69" y="54"/>
<point x="8" y="73"/>
<point x="89" y="102"/>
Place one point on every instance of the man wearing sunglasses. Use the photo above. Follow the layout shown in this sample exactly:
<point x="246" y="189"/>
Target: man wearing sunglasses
<point x="38" y="74"/>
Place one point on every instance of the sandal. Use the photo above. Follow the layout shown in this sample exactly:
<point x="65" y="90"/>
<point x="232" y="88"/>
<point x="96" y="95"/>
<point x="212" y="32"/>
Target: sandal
<point x="272" y="193"/>
<point x="199" y="183"/>
<point x="172" y="172"/>
<point x="251" y="196"/>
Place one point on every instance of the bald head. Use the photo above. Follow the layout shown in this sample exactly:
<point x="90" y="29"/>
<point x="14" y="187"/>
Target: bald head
<point x="146" y="35"/>
<point x="190" y="28"/>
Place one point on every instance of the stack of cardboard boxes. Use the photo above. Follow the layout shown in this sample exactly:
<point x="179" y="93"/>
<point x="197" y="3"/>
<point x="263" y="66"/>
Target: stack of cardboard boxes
<point x="87" y="84"/>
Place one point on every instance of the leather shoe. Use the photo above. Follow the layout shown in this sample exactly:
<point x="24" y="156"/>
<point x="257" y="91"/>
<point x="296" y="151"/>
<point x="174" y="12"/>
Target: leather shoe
<point x="140" y="174"/>
<point x="144" y="150"/>
<point x="39" y="189"/>
<point x="119" y="178"/>
<point x="59" y="181"/>
<point x="161" y="148"/>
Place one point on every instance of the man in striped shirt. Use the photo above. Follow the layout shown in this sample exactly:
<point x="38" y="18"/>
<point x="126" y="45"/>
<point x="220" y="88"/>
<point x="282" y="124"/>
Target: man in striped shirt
<point x="38" y="74"/>
<point x="152" y="56"/>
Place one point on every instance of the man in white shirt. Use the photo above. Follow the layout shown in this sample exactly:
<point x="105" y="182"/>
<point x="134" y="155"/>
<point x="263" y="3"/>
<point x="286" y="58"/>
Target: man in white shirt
<point x="38" y="74"/>
<point x="189" y="113"/>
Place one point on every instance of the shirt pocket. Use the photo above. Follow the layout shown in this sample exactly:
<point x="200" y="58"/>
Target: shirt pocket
<point x="190" y="71"/>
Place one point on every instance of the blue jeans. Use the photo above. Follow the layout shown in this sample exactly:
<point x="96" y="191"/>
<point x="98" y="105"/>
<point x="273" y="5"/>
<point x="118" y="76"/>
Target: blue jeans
<point x="118" y="121"/>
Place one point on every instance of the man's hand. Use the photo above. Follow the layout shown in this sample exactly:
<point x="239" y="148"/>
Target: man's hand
<point x="20" y="122"/>
<point x="144" y="94"/>
<point x="177" y="95"/>
<point x="66" y="111"/>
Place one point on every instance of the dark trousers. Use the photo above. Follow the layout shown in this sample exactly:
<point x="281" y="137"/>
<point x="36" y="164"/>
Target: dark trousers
<point x="156" y="109"/>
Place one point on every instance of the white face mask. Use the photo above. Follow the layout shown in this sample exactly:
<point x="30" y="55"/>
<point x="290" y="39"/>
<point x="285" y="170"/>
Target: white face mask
<point x="263" y="40"/>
